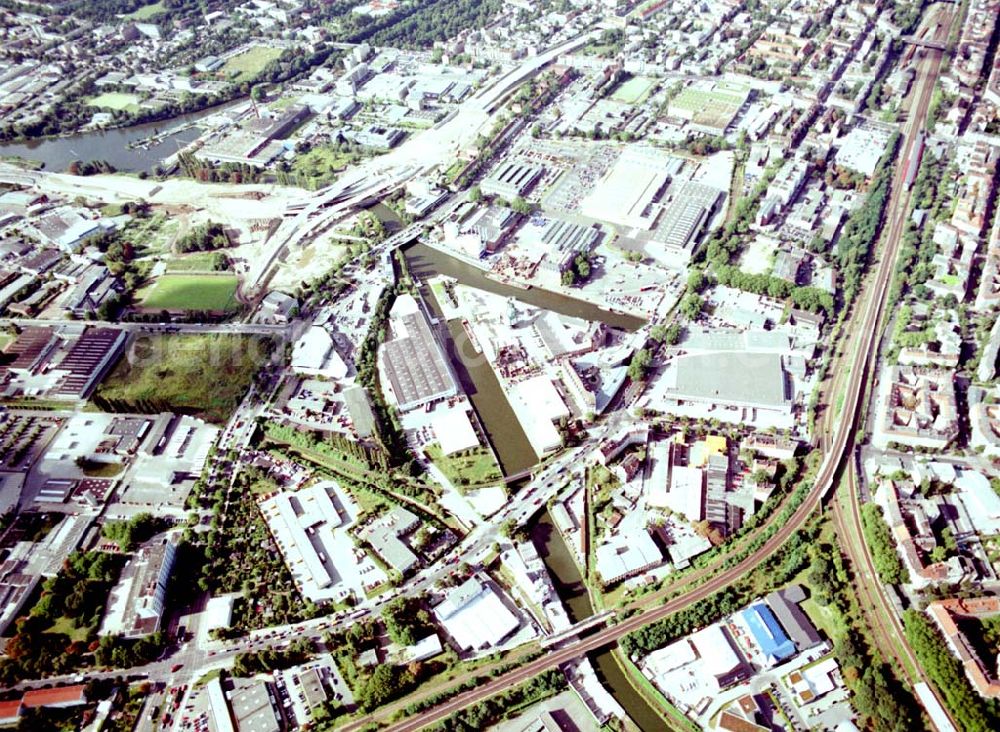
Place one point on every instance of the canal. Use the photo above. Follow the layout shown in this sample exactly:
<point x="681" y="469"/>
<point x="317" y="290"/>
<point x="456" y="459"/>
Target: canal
<point x="426" y="262"/>
<point x="511" y="445"/>
<point x="573" y="592"/>
<point x="480" y="383"/>
<point x="112" y="145"/>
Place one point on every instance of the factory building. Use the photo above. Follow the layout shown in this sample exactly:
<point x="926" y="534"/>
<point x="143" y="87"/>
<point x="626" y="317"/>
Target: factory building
<point x="412" y="365"/>
<point x="512" y="179"/>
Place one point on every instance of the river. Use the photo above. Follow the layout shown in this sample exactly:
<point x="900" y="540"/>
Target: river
<point x="112" y="145"/>
<point x="571" y="588"/>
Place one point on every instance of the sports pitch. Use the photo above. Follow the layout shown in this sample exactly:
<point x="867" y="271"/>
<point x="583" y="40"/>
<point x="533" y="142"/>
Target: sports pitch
<point x="115" y="100"/>
<point x="191" y="292"/>
<point x="634" y="91"/>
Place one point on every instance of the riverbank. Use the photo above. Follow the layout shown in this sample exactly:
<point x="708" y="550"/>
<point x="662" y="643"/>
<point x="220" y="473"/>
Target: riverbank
<point x="572" y="589"/>
<point x="427" y="261"/>
<point x="120" y="146"/>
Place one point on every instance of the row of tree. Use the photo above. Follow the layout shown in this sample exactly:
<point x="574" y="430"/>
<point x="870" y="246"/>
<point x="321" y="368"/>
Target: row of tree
<point x="864" y="226"/>
<point x="970" y="711"/>
<point x="812" y="299"/>
<point x="887" y="563"/>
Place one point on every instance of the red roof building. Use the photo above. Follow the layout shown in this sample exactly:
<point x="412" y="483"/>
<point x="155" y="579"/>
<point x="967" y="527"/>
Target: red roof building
<point x="65" y="696"/>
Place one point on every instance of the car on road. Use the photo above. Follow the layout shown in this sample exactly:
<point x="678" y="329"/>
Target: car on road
<point x="176" y="667"/>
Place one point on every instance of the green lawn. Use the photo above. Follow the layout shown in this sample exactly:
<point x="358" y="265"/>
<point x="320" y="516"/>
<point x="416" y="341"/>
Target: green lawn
<point x="468" y="467"/>
<point x="66" y="626"/>
<point x="247" y="65"/>
<point x="206" y="375"/>
<point x="97" y="469"/>
<point x="115" y="100"/>
<point x="194" y="262"/>
<point x="190" y="292"/>
<point x="147" y="11"/>
<point x="634" y="91"/>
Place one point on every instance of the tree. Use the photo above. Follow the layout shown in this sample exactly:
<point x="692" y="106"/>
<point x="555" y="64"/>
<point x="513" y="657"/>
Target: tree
<point x="691" y="306"/>
<point x="639" y="364"/>
<point x="696" y="280"/>
<point x="521" y="206"/>
<point x="386" y="683"/>
<point x="129" y="534"/>
<point x="475" y="194"/>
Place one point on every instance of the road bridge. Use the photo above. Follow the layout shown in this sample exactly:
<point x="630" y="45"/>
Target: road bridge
<point x="924" y="43"/>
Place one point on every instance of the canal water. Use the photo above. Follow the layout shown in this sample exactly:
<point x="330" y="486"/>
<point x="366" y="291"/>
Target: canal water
<point x="483" y="388"/>
<point x="573" y="592"/>
<point x="112" y="145"/>
<point x="426" y="262"/>
<point x="478" y="378"/>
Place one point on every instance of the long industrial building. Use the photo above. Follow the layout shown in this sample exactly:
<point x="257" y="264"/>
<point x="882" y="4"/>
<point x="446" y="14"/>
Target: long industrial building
<point x="412" y="366"/>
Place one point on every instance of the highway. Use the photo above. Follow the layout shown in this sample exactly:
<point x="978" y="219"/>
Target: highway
<point x="379" y="176"/>
<point x="867" y="322"/>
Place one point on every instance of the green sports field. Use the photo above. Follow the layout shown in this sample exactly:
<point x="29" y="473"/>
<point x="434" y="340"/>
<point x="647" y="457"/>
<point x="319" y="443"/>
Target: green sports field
<point x="115" y="100"/>
<point x="190" y="292"/>
<point x="715" y="107"/>
<point x="147" y="11"/>
<point x="248" y="65"/>
<point x="634" y="91"/>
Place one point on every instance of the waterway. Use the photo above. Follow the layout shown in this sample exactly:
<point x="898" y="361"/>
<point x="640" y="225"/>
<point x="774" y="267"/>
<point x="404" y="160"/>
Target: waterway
<point x="504" y="430"/>
<point x="426" y="262"/>
<point x="573" y="592"/>
<point x="112" y="145"/>
<point x="480" y="383"/>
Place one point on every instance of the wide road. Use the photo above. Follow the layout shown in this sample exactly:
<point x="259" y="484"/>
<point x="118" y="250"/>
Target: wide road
<point x="866" y="321"/>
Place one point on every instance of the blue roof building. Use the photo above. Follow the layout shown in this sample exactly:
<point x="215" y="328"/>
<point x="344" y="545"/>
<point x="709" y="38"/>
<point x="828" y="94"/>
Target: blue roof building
<point x="768" y="634"/>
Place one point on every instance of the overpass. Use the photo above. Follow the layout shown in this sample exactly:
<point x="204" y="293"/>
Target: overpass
<point x="311" y="215"/>
<point x="491" y="97"/>
<point x="573" y="632"/>
<point x="924" y="43"/>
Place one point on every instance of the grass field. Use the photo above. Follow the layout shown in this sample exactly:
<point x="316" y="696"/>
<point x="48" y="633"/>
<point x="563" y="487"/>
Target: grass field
<point x="634" y="91"/>
<point x="206" y="375"/>
<point x="115" y="100"/>
<point x="250" y="63"/>
<point x="190" y="292"/>
<point x="194" y="262"/>
<point x="66" y="626"/>
<point x="147" y="11"/>
<point x="467" y="468"/>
